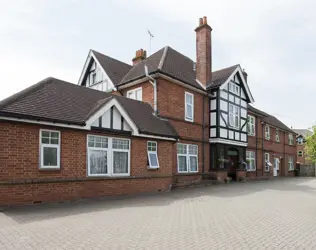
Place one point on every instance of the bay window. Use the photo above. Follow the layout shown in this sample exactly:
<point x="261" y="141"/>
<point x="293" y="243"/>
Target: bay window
<point x="108" y="156"/>
<point x="49" y="149"/>
<point x="187" y="155"/>
<point x="233" y="116"/>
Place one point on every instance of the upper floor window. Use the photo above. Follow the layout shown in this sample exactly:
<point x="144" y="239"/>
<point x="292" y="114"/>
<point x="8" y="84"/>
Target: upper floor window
<point x="251" y="125"/>
<point x="300" y="153"/>
<point x="234" y="88"/>
<point x="136" y="94"/>
<point x="291" y="140"/>
<point x="277" y="137"/>
<point x="108" y="156"/>
<point x="300" y="141"/>
<point x="267" y="132"/>
<point x="49" y="149"/>
<point x="189" y="107"/>
<point x="187" y="157"/>
<point x="152" y="154"/>
<point x="251" y="160"/>
<point x="233" y="116"/>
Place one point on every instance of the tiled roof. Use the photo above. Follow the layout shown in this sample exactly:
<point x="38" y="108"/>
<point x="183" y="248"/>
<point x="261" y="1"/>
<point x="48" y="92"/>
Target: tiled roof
<point x="303" y="132"/>
<point x="220" y="76"/>
<point x="115" y="69"/>
<point x="55" y="100"/>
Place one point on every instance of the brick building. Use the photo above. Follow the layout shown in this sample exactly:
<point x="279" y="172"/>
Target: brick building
<point x="301" y="140"/>
<point x="134" y="128"/>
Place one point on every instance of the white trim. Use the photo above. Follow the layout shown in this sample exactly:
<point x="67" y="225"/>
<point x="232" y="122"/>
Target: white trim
<point x="238" y="69"/>
<point x="85" y="67"/>
<point x="152" y="152"/>
<point x="162" y="59"/>
<point x="298" y="153"/>
<point x="135" y="90"/>
<point x="45" y="145"/>
<point x="185" y="108"/>
<point x="201" y="84"/>
<point x="231" y="142"/>
<point x="187" y="157"/>
<point x="251" y="158"/>
<point x="254" y="125"/>
<point x="110" y="150"/>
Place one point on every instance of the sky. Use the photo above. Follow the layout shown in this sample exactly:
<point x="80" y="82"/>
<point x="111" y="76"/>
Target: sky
<point x="273" y="40"/>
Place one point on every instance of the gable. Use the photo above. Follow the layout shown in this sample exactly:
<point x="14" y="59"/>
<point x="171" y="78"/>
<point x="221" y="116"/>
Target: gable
<point x="238" y="79"/>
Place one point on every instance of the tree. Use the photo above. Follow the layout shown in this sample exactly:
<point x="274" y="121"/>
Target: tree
<point x="310" y="146"/>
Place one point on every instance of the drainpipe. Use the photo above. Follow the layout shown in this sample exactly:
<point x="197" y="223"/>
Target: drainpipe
<point x="154" y="83"/>
<point x="284" y="153"/>
<point x="203" y="137"/>
<point x="257" y="146"/>
<point x="262" y="148"/>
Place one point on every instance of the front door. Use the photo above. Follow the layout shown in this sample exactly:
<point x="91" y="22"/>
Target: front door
<point x="276" y="166"/>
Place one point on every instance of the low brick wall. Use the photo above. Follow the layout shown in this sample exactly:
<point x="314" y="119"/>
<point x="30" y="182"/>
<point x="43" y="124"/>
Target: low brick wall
<point x="307" y="170"/>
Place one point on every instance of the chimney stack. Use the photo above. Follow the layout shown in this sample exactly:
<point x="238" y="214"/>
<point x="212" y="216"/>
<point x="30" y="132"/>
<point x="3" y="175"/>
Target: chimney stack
<point x="203" y="52"/>
<point x="140" y="55"/>
<point x="245" y="74"/>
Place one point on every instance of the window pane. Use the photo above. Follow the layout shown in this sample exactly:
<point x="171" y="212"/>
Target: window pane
<point x="152" y="146"/>
<point x="45" y="140"/>
<point x="193" y="163"/>
<point x="54" y="134"/>
<point x="54" y="141"/>
<point x="193" y="149"/>
<point x="50" y="156"/>
<point x="120" y="144"/>
<point x="98" y="161"/>
<point x="189" y="110"/>
<point x="153" y="160"/>
<point x="189" y="99"/>
<point x="182" y="162"/>
<point x="139" y="95"/>
<point x="182" y="148"/>
<point x="120" y="162"/>
<point x="45" y="134"/>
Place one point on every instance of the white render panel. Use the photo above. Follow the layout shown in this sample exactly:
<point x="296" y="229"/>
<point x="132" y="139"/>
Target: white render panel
<point x="243" y="94"/>
<point x="213" y="119"/>
<point x="237" y="136"/>
<point x="222" y="123"/>
<point x="243" y="137"/>
<point x="237" y="100"/>
<point x="213" y="104"/>
<point x="116" y="119"/>
<point x="126" y="127"/>
<point x="243" y="104"/>
<point x="213" y="132"/>
<point x="231" y="134"/>
<point x="225" y="118"/>
<point x="223" y="105"/>
<point x="106" y="119"/>
<point x="244" y="129"/>
<point x="243" y="113"/>
<point x="231" y="98"/>
<point x="223" y="94"/>
<point x="95" y="123"/>
<point x="242" y="122"/>
<point x="226" y="87"/>
<point x="223" y="133"/>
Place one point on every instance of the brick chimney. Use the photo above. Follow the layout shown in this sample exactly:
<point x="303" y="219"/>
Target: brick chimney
<point x="203" y="52"/>
<point x="140" y="55"/>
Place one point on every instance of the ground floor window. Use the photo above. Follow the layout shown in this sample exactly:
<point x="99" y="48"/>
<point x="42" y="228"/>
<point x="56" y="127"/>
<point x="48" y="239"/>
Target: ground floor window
<point x="187" y="155"/>
<point x="251" y="160"/>
<point x="291" y="163"/>
<point x="267" y="162"/>
<point x="152" y="154"/>
<point x="108" y="156"/>
<point x="50" y="149"/>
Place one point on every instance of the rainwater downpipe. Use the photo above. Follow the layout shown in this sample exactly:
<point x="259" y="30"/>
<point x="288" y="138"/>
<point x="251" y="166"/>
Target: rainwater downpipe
<point x="257" y="137"/>
<point x="154" y="83"/>
<point x="262" y="148"/>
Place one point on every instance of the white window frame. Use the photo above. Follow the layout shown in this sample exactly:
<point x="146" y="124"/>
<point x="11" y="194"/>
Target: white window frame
<point x="291" y="163"/>
<point x="267" y="133"/>
<point x="152" y="152"/>
<point x="45" y="145"/>
<point x="302" y="153"/>
<point x="291" y="139"/>
<point x="251" y="157"/>
<point x="277" y="135"/>
<point x="188" y="155"/>
<point x="252" y="125"/>
<point x="234" y="88"/>
<point x="110" y="156"/>
<point x="93" y="74"/>
<point x="232" y="115"/>
<point x="300" y="141"/>
<point x="134" y="92"/>
<point x="190" y="119"/>
<point x="266" y="159"/>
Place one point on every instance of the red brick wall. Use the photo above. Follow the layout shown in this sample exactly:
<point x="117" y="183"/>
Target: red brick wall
<point x="279" y="150"/>
<point x="19" y="161"/>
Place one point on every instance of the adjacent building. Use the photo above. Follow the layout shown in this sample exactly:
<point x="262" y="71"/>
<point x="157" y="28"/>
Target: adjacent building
<point x="163" y="120"/>
<point x="302" y="157"/>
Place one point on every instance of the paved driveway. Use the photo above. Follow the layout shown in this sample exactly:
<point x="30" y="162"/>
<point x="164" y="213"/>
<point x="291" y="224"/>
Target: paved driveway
<point x="278" y="214"/>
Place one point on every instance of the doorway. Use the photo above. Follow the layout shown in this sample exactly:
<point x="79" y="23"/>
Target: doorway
<point x="233" y="157"/>
<point x="276" y="166"/>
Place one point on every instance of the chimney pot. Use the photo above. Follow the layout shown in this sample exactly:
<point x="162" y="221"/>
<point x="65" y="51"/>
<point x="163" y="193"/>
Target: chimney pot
<point x="204" y="20"/>
<point x="200" y="21"/>
<point x="140" y="55"/>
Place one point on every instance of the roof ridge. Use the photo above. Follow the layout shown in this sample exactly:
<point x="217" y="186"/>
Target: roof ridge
<point x="94" y="51"/>
<point x="163" y="57"/>
<point x="233" y="66"/>
<point x="21" y="94"/>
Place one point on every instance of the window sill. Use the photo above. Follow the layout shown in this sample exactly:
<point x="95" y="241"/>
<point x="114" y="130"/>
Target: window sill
<point x="252" y="170"/>
<point x="49" y="169"/>
<point x="187" y="173"/>
<point x="149" y="168"/>
<point x="108" y="176"/>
